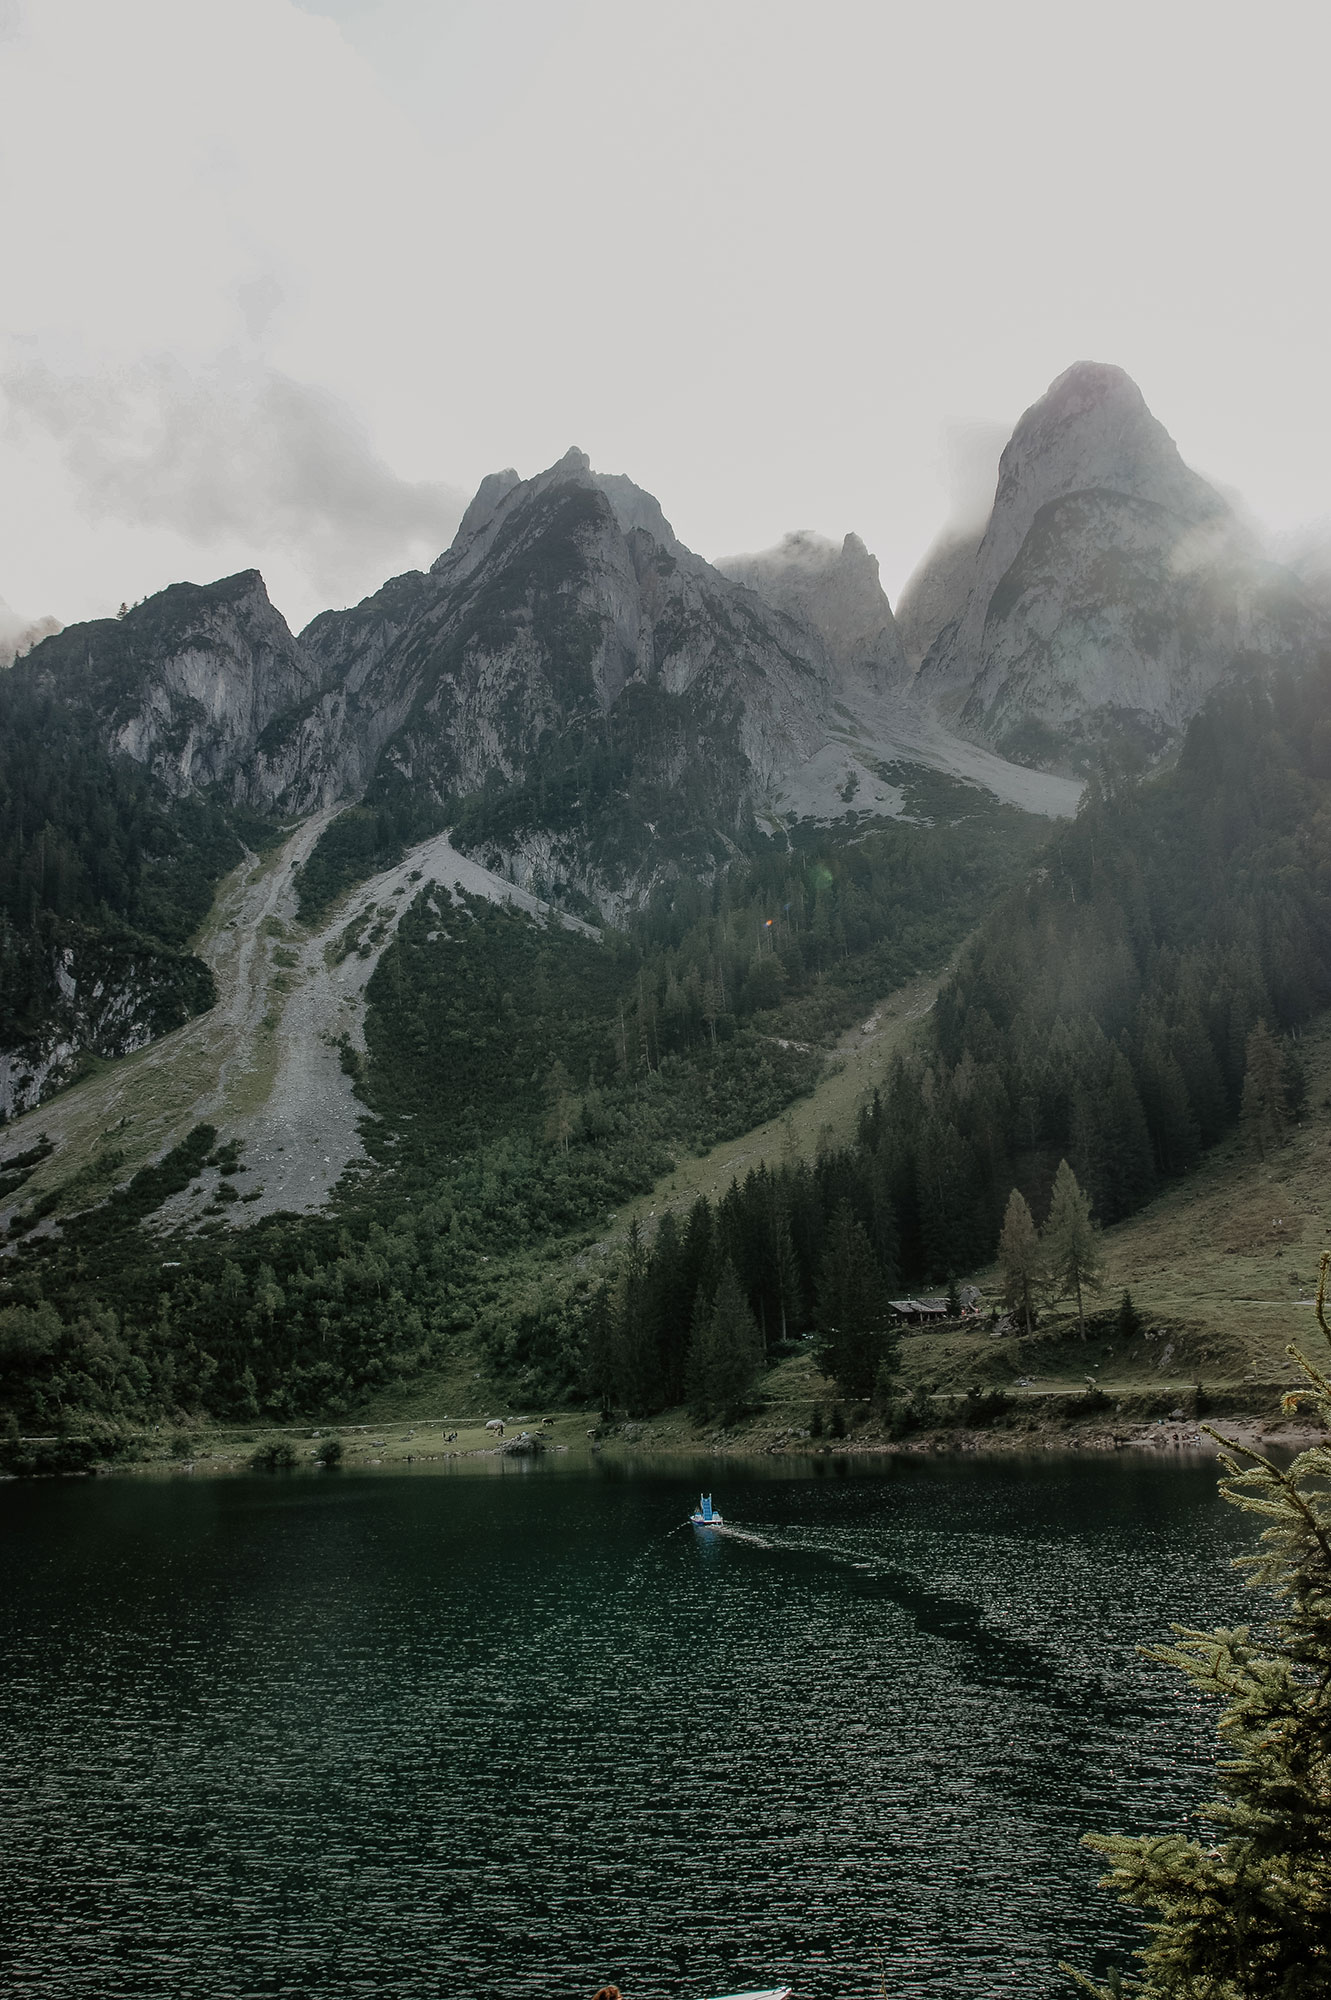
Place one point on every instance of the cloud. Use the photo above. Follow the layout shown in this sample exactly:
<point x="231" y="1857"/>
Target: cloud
<point x="1307" y="552"/>
<point x="17" y="633"/>
<point x="236" y="454"/>
<point x="970" y="460"/>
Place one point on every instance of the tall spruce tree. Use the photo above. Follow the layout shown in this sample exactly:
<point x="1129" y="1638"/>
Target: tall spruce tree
<point x="639" y="1381"/>
<point x="725" y="1351"/>
<point x="1020" y="1256"/>
<point x="1248" y="1915"/>
<point x="1071" y="1243"/>
<point x="669" y="1304"/>
<point x="600" y="1365"/>
<point x="854" y="1317"/>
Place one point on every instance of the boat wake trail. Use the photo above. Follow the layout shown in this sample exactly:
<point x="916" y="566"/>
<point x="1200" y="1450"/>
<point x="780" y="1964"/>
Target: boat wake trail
<point x="748" y="1535"/>
<point x="995" y="1656"/>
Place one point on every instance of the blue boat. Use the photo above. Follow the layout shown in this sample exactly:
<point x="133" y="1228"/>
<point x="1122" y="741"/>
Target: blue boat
<point x="704" y="1515"/>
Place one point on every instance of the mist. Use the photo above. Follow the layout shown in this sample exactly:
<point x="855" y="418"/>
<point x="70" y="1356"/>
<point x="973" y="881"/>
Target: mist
<point x="240" y="456"/>
<point x="19" y="634"/>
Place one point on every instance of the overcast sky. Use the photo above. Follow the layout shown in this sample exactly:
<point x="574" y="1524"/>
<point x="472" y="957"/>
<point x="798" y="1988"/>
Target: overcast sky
<point x="282" y="281"/>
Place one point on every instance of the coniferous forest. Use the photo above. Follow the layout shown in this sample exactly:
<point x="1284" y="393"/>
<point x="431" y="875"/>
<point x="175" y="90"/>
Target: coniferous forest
<point x="1135" y="990"/>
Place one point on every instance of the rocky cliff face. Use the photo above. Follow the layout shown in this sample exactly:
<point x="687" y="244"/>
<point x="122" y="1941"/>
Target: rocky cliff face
<point x="568" y="658"/>
<point x="110" y="995"/>
<point x="200" y="684"/>
<point x="1112" y="588"/>
<point x="833" y="595"/>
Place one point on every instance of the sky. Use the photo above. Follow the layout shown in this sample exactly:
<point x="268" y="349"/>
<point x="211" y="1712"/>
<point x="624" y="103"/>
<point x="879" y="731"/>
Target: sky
<point x="282" y="282"/>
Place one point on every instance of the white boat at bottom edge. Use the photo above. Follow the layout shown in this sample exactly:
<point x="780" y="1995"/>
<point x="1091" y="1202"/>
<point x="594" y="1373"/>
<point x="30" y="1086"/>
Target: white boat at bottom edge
<point x="768" y="1993"/>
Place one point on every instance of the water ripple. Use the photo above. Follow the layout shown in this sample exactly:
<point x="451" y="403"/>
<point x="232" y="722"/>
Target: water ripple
<point x="486" y="1736"/>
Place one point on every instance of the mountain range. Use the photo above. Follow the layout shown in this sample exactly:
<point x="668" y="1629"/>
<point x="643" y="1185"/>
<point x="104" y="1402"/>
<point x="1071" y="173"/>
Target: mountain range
<point x="594" y="711"/>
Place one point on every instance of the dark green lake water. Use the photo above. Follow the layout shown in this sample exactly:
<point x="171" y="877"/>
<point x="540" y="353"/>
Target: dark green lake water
<point x="517" y="1732"/>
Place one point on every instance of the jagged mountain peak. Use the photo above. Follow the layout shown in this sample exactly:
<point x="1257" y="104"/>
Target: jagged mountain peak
<point x="1091" y="431"/>
<point x="488" y="497"/>
<point x="104" y="652"/>
<point x="1112" y="588"/>
<point x="1086" y="385"/>
<point x="501" y="496"/>
<point x="500" y="492"/>
<point x="636" y="508"/>
<point x="832" y="591"/>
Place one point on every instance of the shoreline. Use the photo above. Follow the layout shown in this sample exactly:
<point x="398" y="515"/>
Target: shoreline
<point x="414" y="1447"/>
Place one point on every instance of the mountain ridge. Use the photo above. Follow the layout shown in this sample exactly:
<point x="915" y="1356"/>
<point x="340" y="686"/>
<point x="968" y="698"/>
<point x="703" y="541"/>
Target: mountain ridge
<point x="599" y="714"/>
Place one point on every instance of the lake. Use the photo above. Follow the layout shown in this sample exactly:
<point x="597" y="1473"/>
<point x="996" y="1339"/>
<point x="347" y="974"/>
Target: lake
<point x="516" y="1729"/>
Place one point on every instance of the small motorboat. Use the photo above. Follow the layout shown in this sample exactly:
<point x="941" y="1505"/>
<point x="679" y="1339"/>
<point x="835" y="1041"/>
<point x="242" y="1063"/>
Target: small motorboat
<point x="704" y="1515"/>
<point x="768" y="1993"/>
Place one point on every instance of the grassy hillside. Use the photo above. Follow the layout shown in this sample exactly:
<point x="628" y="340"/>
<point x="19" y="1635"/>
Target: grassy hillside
<point x="1224" y="1264"/>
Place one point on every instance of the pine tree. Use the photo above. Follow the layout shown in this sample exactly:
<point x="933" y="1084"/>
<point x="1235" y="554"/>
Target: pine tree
<point x="725" y="1353"/>
<point x="1245" y="1917"/>
<point x="1071" y="1242"/>
<point x="669" y="1305"/>
<point x="1128" y="1321"/>
<point x="636" y="1342"/>
<point x="945" y="1177"/>
<point x="1020" y="1256"/>
<point x="600" y="1359"/>
<point x="853" y="1315"/>
<point x="785" y="1277"/>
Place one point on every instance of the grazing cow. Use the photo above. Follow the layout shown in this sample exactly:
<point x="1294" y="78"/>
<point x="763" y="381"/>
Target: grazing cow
<point x="495" y="1424"/>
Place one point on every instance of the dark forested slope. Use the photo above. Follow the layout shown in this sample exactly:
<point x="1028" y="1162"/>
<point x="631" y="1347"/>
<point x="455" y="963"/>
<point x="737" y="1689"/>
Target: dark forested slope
<point x="1120" y="1010"/>
<point x="527" y="1079"/>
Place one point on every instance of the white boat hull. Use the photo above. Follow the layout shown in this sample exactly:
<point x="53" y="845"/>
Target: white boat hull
<point x="769" y="1993"/>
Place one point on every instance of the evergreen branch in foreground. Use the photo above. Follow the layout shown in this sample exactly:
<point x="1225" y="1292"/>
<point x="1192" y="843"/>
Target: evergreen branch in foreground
<point x="1249" y="1917"/>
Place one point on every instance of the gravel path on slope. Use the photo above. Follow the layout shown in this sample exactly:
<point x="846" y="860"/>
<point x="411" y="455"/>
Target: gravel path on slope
<point x="264" y="1064"/>
<point x="307" y="1133"/>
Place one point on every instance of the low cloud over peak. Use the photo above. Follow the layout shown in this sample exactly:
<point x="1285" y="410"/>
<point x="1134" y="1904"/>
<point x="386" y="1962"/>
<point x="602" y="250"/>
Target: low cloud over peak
<point x="241" y="456"/>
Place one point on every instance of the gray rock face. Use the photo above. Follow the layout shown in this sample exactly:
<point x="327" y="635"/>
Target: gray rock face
<point x="565" y="625"/>
<point x="834" y="596"/>
<point x="202" y="686"/>
<point x="212" y="687"/>
<point x="565" y="630"/>
<point x="1109" y="619"/>
<point x="1112" y="588"/>
<point x="113" y="995"/>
